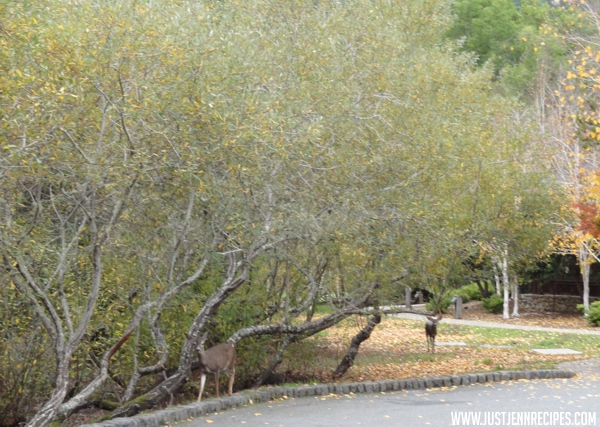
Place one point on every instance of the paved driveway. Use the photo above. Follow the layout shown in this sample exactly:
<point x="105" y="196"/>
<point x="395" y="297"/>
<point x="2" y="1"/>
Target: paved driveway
<point x="545" y="402"/>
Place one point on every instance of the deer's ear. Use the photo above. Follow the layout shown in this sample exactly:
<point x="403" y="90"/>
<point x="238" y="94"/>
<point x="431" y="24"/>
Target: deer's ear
<point x="189" y="337"/>
<point x="204" y="336"/>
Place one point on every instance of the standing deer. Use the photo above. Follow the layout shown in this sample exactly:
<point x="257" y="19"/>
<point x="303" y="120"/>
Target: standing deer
<point x="214" y="360"/>
<point x="431" y="331"/>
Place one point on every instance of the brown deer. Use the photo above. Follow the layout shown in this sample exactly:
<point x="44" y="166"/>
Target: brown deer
<point x="431" y="331"/>
<point x="214" y="360"/>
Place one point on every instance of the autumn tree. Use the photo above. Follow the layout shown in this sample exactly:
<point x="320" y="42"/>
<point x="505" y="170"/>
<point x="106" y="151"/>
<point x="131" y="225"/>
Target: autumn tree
<point x="571" y="117"/>
<point x="175" y="166"/>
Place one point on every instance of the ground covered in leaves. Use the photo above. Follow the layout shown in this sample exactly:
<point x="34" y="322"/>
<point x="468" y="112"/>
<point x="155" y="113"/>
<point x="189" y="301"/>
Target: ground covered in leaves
<point x="398" y="349"/>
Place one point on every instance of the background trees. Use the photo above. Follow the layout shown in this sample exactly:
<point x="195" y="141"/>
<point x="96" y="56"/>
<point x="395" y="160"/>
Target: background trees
<point x="175" y="166"/>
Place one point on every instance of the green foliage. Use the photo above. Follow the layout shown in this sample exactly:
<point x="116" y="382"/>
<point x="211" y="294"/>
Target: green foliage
<point x="470" y="292"/>
<point x="517" y="40"/>
<point x="438" y="305"/>
<point x="488" y="25"/>
<point x="493" y="304"/>
<point x="593" y="313"/>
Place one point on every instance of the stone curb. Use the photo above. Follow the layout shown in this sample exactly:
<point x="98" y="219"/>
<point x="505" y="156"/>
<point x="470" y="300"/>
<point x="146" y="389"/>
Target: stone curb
<point x="185" y="412"/>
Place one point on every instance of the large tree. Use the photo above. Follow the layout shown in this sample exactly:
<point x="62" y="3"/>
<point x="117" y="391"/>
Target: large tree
<point x="159" y="157"/>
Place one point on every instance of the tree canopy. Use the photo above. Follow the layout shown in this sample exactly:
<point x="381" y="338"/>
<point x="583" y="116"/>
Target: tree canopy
<point x="170" y="166"/>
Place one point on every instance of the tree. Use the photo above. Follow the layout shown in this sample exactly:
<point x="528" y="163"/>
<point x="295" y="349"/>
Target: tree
<point x="517" y="38"/>
<point x="573" y="131"/>
<point x="232" y="175"/>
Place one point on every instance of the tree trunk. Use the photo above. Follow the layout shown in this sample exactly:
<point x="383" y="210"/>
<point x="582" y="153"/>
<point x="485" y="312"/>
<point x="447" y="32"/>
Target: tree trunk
<point x="505" y="282"/>
<point x="358" y="339"/>
<point x="498" y="287"/>
<point x="78" y="400"/>
<point x="584" y="262"/>
<point x="50" y="409"/>
<point x="276" y="361"/>
<point x="515" y="293"/>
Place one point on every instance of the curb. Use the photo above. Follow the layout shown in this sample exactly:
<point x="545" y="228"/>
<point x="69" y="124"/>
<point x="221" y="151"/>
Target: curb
<point x="185" y="412"/>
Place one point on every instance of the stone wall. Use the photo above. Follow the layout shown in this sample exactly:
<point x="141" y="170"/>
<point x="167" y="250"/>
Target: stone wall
<point x="553" y="303"/>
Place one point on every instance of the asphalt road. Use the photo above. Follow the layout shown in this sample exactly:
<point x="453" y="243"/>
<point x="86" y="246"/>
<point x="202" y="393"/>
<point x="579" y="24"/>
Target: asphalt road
<point x="546" y="402"/>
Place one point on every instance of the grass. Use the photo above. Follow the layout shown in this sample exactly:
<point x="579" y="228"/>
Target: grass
<point x="521" y="339"/>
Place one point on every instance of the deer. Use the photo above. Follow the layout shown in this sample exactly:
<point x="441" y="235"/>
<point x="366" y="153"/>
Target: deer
<point x="431" y="331"/>
<point x="219" y="358"/>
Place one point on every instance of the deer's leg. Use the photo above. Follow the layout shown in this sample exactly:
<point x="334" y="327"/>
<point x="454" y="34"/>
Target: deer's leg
<point x="433" y="345"/>
<point x="202" y="381"/>
<point x="231" y="377"/>
<point x="217" y="382"/>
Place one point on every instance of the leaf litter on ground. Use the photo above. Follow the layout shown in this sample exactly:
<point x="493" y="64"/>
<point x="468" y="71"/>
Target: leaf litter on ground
<point x="397" y="349"/>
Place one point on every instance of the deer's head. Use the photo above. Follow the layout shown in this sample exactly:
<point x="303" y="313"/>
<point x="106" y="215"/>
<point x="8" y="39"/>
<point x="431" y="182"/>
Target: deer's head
<point x="200" y="343"/>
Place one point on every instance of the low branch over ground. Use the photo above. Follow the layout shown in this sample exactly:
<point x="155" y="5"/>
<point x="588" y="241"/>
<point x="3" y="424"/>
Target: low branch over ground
<point x="358" y="339"/>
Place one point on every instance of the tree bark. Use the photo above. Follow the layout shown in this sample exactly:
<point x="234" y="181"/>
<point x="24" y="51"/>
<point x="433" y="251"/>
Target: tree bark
<point x="50" y="409"/>
<point x="276" y="360"/>
<point x="584" y="263"/>
<point x="358" y="339"/>
<point x="515" y="294"/>
<point x="505" y="283"/>
<point x="497" y="282"/>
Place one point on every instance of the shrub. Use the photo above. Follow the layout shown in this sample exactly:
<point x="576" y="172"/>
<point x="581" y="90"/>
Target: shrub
<point x="438" y="305"/>
<point x="470" y="292"/>
<point x="493" y="304"/>
<point x="593" y="313"/>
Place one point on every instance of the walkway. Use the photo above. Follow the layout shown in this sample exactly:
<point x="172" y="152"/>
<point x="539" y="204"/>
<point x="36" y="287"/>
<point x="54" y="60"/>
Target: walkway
<point x="452" y="321"/>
